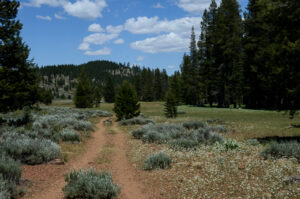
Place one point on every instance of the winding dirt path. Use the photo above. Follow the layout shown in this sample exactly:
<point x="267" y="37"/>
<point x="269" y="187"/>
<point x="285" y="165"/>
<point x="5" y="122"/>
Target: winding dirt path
<point x="48" y="180"/>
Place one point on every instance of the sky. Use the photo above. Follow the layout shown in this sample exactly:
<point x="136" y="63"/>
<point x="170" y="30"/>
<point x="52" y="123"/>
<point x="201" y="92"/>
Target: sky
<point x="151" y="33"/>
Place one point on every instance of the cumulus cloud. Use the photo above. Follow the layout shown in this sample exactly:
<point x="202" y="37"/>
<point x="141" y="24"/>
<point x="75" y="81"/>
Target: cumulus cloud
<point x="103" y="51"/>
<point x="171" y="42"/>
<point x="95" y="28"/>
<point x="145" y="25"/>
<point x="140" y="58"/>
<point x="194" y="6"/>
<point x="84" y="46"/>
<point x="38" y="3"/>
<point x="57" y="16"/>
<point x="119" y="41"/>
<point x="85" y="9"/>
<point x="99" y="38"/>
<point x="158" y="5"/>
<point x="114" y="29"/>
<point x="47" y="18"/>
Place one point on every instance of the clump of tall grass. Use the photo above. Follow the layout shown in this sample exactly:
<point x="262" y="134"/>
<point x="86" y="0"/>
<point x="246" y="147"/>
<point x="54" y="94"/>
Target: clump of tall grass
<point x="90" y="184"/>
<point x="158" y="161"/>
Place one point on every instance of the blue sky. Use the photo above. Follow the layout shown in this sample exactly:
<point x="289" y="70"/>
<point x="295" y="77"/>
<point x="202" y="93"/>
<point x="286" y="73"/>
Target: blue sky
<point x="152" y="33"/>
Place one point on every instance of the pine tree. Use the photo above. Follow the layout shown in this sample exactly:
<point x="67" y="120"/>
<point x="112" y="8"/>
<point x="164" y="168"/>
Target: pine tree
<point x="109" y="90"/>
<point x="176" y="87"/>
<point x="127" y="104"/>
<point x="229" y="37"/>
<point x="170" y="105"/>
<point x="157" y="85"/>
<point x="84" y="91"/>
<point x="97" y="96"/>
<point x="18" y="78"/>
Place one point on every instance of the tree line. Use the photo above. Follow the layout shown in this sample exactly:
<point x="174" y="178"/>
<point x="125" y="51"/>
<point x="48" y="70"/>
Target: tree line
<point x="249" y="61"/>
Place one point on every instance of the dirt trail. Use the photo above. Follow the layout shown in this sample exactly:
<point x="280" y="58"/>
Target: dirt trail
<point x="48" y="180"/>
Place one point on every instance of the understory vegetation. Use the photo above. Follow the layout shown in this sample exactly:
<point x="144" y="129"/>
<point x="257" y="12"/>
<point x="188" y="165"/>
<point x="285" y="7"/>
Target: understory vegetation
<point x="140" y="120"/>
<point x="33" y="137"/>
<point x="157" y="161"/>
<point x="90" y="184"/>
<point x="187" y="135"/>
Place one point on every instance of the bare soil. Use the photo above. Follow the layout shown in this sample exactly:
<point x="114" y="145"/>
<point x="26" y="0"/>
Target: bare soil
<point x="48" y="180"/>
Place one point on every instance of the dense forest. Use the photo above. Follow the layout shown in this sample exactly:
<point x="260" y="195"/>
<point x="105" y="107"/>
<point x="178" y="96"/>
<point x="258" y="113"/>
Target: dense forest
<point x="241" y="59"/>
<point x="251" y="60"/>
<point x="149" y="84"/>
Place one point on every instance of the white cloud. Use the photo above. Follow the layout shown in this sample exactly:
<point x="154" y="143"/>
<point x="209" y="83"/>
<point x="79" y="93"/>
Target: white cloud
<point x="99" y="38"/>
<point x="85" y="9"/>
<point x="194" y="6"/>
<point x="52" y="3"/>
<point x="119" y="41"/>
<point x="84" y="46"/>
<point x="57" y="16"/>
<point x="145" y="25"/>
<point x="47" y="18"/>
<point x="171" y="42"/>
<point x="103" y="51"/>
<point x="95" y="28"/>
<point x="158" y="5"/>
<point x="140" y="58"/>
<point x="114" y="29"/>
<point x="171" y="67"/>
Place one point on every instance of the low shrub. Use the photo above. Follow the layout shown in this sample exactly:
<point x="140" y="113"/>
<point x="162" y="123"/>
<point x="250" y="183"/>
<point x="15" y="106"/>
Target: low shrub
<point x="69" y="135"/>
<point x="214" y="137"/>
<point x="253" y="142"/>
<point x="154" y="137"/>
<point x="21" y="119"/>
<point x="30" y="150"/>
<point x="157" y="161"/>
<point x="136" y="121"/>
<point x="215" y="121"/>
<point x="219" y="128"/>
<point x="138" y="134"/>
<point x="231" y="144"/>
<point x="183" y="143"/>
<point x="194" y="125"/>
<point x="5" y="188"/>
<point x="10" y="170"/>
<point x="83" y="126"/>
<point x="90" y="184"/>
<point x="279" y="150"/>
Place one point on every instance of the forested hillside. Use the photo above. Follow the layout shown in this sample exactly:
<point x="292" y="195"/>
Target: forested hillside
<point x="61" y="79"/>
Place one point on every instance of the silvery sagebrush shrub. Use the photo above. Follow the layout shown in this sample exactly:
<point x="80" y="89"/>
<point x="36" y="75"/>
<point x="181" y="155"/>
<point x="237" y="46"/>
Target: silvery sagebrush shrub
<point x="154" y="137"/>
<point x="158" y="161"/>
<point x="279" y="150"/>
<point x="5" y="188"/>
<point x="29" y="150"/>
<point x="194" y="125"/>
<point x="183" y="143"/>
<point x="70" y="135"/>
<point x="138" y="134"/>
<point x="219" y="128"/>
<point x="10" y="169"/>
<point x="214" y="138"/>
<point x="83" y="126"/>
<point x="90" y="184"/>
<point x="253" y="142"/>
<point x="136" y="121"/>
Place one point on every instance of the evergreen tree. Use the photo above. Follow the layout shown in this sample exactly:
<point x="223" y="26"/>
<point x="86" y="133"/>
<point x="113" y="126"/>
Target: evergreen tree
<point x="170" y="105"/>
<point x="126" y="104"/>
<point x="229" y="44"/>
<point x="176" y="87"/>
<point x="157" y="85"/>
<point x="84" y="91"/>
<point x="109" y="90"/>
<point x="45" y="96"/>
<point x="97" y="96"/>
<point x="18" y="78"/>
